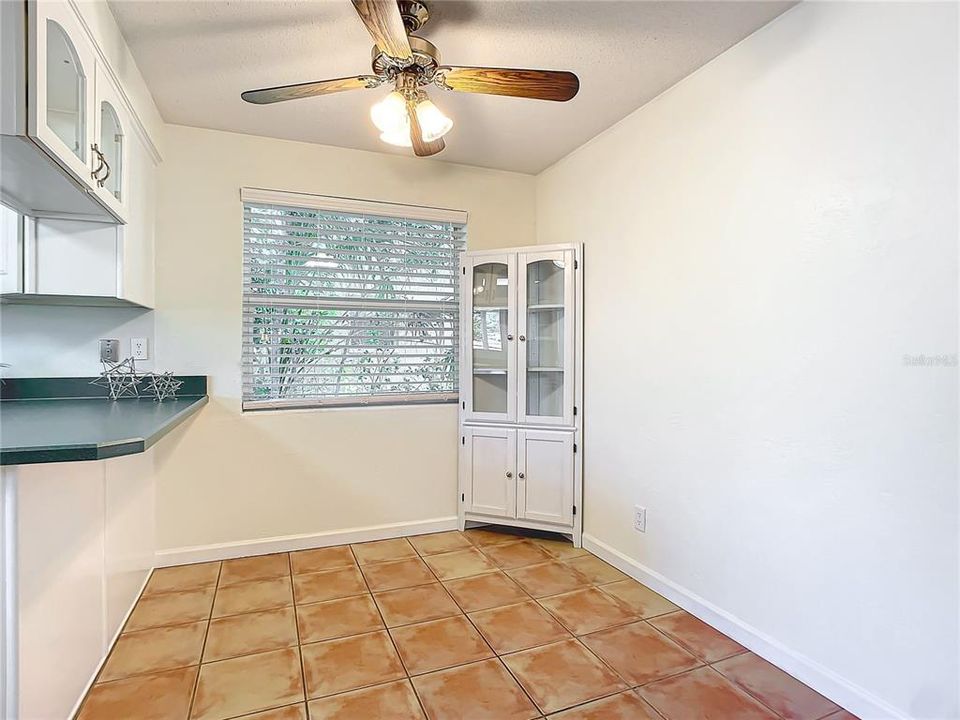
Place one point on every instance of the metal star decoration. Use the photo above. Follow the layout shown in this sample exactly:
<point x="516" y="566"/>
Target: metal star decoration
<point x="162" y="385"/>
<point x="121" y="379"/>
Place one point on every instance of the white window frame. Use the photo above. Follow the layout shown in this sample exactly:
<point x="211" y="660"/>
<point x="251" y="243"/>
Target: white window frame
<point x="254" y="303"/>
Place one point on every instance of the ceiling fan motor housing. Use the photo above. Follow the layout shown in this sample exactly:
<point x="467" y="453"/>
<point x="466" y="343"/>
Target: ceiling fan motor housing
<point x="423" y="63"/>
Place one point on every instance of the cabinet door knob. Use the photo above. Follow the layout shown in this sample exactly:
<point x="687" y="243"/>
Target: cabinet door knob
<point x="509" y="474"/>
<point x="520" y="475"/>
<point x="509" y="337"/>
<point x="523" y="338"/>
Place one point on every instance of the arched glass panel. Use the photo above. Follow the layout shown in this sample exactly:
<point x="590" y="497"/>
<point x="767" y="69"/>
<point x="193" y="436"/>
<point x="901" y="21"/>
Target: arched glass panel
<point x="111" y="145"/>
<point x="66" y="85"/>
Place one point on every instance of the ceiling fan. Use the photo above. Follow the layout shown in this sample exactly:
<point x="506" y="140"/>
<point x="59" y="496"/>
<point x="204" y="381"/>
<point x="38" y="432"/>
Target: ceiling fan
<point x="407" y="117"/>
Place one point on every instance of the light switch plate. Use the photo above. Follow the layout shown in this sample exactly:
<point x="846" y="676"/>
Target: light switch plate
<point x="139" y="349"/>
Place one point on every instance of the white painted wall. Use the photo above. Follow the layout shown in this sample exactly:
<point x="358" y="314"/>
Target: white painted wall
<point x="228" y="477"/>
<point x="59" y="341"/>
<point x="765" y="243"/>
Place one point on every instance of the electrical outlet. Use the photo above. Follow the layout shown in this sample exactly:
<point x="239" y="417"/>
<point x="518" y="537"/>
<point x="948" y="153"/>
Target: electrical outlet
<point x="139" y="349"/>
<point x="109" y="350"/>
<point x="639" y="518"/>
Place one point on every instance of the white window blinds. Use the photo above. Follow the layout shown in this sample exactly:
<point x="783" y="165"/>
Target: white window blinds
<point x="348" y="302"/>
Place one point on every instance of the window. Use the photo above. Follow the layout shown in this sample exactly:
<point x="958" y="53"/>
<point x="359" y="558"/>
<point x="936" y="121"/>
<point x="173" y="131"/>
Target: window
<point x="348" y="302"/>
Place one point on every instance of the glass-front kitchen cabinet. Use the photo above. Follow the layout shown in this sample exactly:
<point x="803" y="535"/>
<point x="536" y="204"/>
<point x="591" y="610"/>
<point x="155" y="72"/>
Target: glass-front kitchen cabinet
<point x="73" y="112"/>
<point x="521" y="333"/>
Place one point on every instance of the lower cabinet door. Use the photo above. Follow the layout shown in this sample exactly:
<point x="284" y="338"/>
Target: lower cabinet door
<point x="545" y="476"/>
<point x="491" y="471"/>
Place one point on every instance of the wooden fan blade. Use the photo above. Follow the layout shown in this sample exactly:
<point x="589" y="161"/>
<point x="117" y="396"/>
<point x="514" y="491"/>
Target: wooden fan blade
<point x="556" y="85"/>
<point x="421" y="147"/>
<point x="264" y="96"/>
<point x="383" y="21"/>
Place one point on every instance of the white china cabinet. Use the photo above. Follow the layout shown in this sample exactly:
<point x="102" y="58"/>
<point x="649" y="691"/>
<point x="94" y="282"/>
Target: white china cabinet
<point x="520" y="388"/>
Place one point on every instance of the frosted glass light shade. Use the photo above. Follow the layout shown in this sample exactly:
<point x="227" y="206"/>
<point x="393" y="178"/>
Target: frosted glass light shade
<point x="399" y="137"/>
<point x="433" y="123"/>
<point x="390" y="114"/>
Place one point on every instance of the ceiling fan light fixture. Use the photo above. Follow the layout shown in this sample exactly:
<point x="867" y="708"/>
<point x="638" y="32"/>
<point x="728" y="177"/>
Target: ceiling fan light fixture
<point x="433" y="122"/>
<point x="390" y="114"/>
<point x="399" y="137"/>
<point x="406" y="117"/>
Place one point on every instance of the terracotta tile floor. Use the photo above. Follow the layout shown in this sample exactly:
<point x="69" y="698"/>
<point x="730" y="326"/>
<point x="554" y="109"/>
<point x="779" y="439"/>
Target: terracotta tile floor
<point x="481" y="625"/>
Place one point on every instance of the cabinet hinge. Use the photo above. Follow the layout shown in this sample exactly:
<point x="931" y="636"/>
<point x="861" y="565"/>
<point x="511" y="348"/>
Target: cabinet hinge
<point x="574" y="409"/>
<point x="574" y="447"/>
<point x="464" y="270"/>
<point x="464" y="404"/>
<point x="463" y="497"/>
<point x="463" y="440"/>
<point x="574" y="509"/>
<point x="576" y="264"/>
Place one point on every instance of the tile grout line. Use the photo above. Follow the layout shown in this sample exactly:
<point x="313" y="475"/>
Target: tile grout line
<point x="296" y="627"/>
<point x="751" y="694"/>
<point x="496" y="655"/>
<point x="257" y="712"/>
<point x="387" y="631"/>
<point x="476" y="630"/>
<point x="573" y="635"/>
<point x="462" y="612"/>
<point x="203" y="646"/>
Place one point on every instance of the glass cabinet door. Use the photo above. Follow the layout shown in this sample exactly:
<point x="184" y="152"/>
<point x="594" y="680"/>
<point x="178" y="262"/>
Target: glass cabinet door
<point x="111" y="145"/>
<point x="545" y="335"/>
<point x="60" y="86"/>
<point x="66" y="85"/>
<point x="491" y="358"/>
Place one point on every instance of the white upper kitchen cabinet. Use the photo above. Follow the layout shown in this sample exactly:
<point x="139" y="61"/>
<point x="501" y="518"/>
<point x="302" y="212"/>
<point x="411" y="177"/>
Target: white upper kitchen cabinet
<point x="78" y="164"/>
<point x="66" y="130"/>
<point x="61" y="86"/>
<point x="110" y="147"/>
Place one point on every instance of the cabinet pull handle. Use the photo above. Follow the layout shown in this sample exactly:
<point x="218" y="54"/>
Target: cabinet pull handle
<point x="509" y="474"/>
<point x="100" y="162"/>
<point x="520" y="475"/>
<point x="102" y="180"/>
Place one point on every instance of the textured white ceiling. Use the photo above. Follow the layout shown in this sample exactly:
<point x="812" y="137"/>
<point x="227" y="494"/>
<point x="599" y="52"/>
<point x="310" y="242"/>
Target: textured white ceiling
<point x="198" y="55"/>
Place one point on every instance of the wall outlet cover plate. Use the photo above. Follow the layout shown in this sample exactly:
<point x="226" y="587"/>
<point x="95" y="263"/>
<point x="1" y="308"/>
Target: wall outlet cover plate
<point x="139" y="349"/>
<point x="639" y="518"/>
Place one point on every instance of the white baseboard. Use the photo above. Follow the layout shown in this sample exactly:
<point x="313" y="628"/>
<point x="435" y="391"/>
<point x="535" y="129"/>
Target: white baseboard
<point x="106" y="652"/>
<point x="286" y="543"/>
<point x="854" y="698"/>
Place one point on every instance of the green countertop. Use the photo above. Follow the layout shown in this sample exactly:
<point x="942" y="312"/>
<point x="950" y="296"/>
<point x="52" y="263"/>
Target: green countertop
<point x="47" y="430"/>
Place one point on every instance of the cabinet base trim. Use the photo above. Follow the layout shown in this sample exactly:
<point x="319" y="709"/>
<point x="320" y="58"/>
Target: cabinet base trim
<point x="307" y="541"/>
<point x="510" y="522"/>
<point x="106" y="653"/>
<point x="843" y="692"/>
